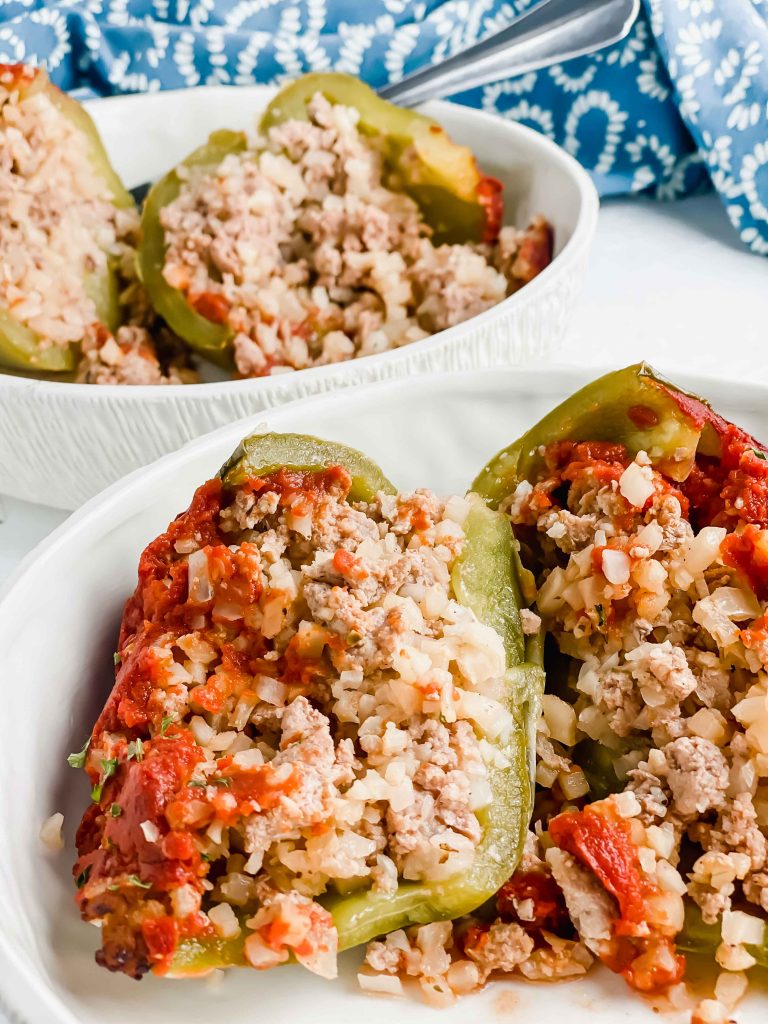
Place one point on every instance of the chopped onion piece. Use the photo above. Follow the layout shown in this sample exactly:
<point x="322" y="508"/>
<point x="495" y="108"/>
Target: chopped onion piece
<point x="730" y="987"/>
<point x="50" y="832"/>
<point x="200" y="589"/>
<point x="636" y="484"/>
<point x="224" y="920"/>
<point x="150" y="830"/>
<point x="380" y="984"/>
<point x="616" y="566"/>
<point x="271" y="691"/>
<point x="704" y="549"/>
<point x="736" y="603"/>
<point x="560" y="719"/>
<point x="740" y="928"/>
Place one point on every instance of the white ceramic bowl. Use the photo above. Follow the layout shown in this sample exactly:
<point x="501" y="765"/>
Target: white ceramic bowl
<point x="62" y="443"/>
<point x="58" y="626"/>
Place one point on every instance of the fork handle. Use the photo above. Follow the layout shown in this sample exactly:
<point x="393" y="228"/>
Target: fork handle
<point x="551" y="32"/>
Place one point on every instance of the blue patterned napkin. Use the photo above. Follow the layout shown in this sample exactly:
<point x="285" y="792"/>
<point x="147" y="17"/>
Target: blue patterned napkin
<point x="680" y="103"/>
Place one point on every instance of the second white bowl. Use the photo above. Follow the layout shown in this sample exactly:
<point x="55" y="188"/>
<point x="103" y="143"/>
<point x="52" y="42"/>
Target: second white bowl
<point x="61" y="443"/>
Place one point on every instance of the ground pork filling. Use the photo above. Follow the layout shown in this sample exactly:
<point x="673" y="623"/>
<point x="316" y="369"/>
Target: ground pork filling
<point x="287" y="721"/>
<point x="661" y="722"/>
<point x="300" y="245"/>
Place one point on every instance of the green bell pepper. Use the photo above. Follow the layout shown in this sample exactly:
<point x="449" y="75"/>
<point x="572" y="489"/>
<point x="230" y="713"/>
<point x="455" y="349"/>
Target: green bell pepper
<point x="21" y="349"/>
<point x="457" y="201"/>
<point x="634" y="407"/>
<point x="208" y="337"/>
<point x="703" y="939"/>
<point x="597" y="763"/>
<point x="261" y="454"/>
<point x="484" y="578"/>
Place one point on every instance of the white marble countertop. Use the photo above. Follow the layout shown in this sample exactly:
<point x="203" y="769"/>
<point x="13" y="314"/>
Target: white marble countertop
<point x="667" y="282"/>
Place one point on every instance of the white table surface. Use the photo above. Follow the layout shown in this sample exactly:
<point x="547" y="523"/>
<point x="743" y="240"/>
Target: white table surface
<point x="667" y="283"/>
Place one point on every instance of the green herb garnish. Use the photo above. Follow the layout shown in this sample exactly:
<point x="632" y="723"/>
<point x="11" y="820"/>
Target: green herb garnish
<point x="82" y="878"/>
<point x="135" y="880"/>
<point x="164" y="724"/>
<point x="117" y="658"/>
<point x="759" y="455"/>
<point x="108" y="768"/>
<point x="78" y="760"/>
<point x="115" y="810"/>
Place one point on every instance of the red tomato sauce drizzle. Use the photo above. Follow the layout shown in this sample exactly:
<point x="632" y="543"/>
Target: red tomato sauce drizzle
<point x="292" y="485"/>
<point x="117" y="860"/>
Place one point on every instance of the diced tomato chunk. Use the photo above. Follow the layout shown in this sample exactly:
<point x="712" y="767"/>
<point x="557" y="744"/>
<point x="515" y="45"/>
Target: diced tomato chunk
<point x="606" y="848"/>
<point x="211" y="305"/>
<point x="161" y="934"/>
<point x="538" y="887"/>
<point x="747" y="551"/>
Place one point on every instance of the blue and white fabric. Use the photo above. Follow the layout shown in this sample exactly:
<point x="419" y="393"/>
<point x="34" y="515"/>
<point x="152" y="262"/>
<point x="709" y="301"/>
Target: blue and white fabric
<point x="680" y="104"/>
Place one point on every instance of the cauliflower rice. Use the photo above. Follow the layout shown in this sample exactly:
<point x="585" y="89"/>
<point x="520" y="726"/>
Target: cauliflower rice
<point x="289" y="719"/>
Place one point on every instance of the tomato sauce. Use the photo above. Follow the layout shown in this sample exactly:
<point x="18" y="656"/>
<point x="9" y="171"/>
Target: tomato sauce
<point x="231" y="677"/>
<point x="734" y="488"/>
<point x="345" y="563"/>
<point x="210" y="305"/>
<point x="549" y="910"/>
<point x="291" y="485"/>
<point x="756" y="634"/>
<point x="606" y="848"/>
<point x="296" y="669"/>
<point x="490" y="195"/>
<point x="643" y="416"/>
<point x="561" y="454"/>
<point x="747" y="551"/>
<point x="112" y="847"/>
<point x="127" y="705"/>
<point x="17" y="74"/>
<point x="157" y="598"/>
<point x="249" y="791"/>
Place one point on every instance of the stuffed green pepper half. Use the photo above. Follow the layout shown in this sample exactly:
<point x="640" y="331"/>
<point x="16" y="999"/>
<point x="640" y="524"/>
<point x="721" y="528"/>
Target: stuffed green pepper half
<point x="321" y="724"/>
<point x="643" y="515"/>
<point x="344" y="227"/>
<point x="66" y="216"/>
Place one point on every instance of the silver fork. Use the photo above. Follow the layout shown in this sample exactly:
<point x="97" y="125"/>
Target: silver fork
<point x="552" y="32"/>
